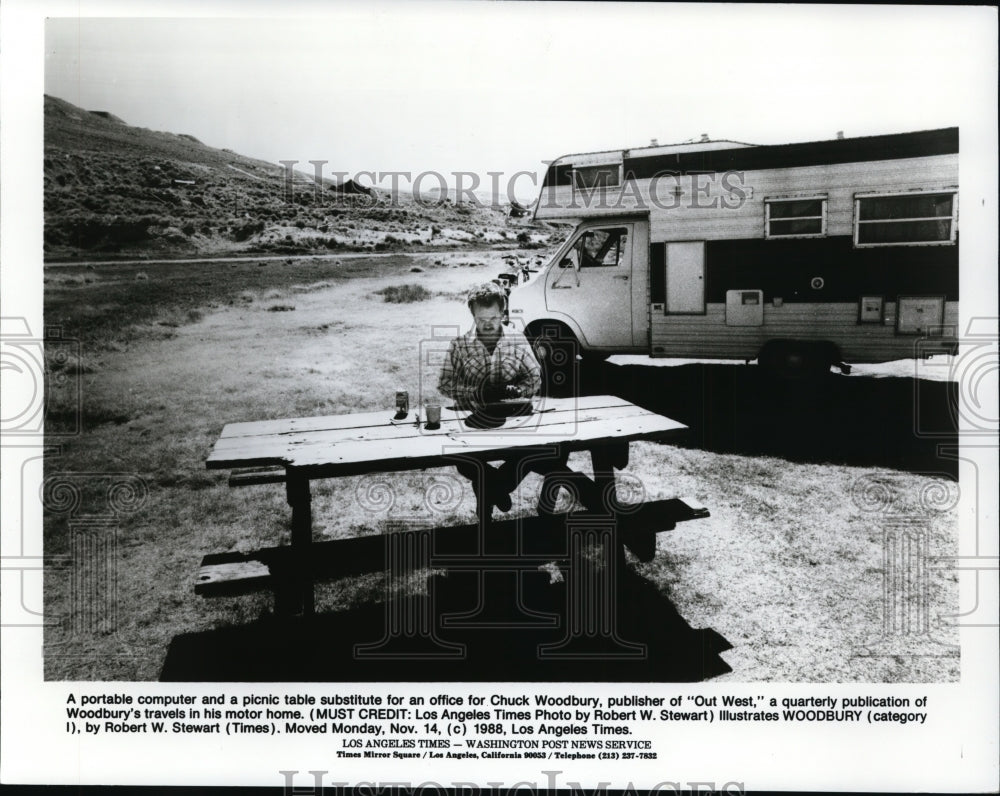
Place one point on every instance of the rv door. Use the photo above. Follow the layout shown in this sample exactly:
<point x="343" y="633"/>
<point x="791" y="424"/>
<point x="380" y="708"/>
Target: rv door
<point x="592" y="284"/>
<point x="686" y="277"/>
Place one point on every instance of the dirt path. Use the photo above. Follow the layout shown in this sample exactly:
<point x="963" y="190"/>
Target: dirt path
<point x="254" y="258"/>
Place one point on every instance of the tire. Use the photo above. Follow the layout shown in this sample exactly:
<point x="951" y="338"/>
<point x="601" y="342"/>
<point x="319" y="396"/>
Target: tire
<point x="556" y="349"/>
<point x="797" y="360"/>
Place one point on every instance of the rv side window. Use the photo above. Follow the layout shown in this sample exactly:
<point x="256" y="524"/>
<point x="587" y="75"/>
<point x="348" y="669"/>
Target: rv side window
<point x="602" y="247"/>
<point x="606" y="176"/>
<point x="794" y="218"/>
<point x="905" y="219"/>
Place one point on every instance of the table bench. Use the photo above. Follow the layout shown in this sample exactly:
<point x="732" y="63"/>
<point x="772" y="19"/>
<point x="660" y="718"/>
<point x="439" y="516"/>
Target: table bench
<point x="298" y="450"/>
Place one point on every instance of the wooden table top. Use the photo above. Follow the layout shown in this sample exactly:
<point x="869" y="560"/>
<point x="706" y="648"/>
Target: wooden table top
<point x="373" y="442"/>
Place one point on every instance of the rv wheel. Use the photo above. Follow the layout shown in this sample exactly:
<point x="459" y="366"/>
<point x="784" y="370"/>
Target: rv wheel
<point x="797" y="360"/>
<point x="556" y="349"/>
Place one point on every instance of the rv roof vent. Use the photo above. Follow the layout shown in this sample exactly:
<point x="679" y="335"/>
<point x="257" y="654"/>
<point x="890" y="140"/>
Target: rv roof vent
<point x="704" y="138"/>
<point x="840" y="134"/>
<point x="653" y="142"/>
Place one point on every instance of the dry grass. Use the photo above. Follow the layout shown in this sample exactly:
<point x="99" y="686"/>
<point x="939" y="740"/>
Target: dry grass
<point x="403" y="294"/>
<point x="788" y="568"/>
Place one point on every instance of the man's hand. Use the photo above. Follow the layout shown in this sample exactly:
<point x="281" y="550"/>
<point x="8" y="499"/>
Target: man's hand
<point x="493" y="392"/>
<point x="497" y="392"/>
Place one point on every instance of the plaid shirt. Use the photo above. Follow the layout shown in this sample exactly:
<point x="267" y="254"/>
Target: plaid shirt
<point x="469" y="366"/>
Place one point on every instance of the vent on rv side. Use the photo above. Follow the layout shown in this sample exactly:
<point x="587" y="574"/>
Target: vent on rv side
<point x="744" y="307"/>
<point x="920" y="315"/>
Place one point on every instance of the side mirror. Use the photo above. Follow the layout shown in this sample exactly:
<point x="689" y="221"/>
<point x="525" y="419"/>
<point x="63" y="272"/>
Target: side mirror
<point x="565" y="262"/>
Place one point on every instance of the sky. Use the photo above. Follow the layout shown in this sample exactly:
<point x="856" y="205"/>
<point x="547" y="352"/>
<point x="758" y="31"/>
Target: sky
<point x="504" y="86"/>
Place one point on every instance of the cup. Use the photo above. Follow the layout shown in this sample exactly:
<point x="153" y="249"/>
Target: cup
<point x="433" y="412"/>
<point x="402" y="405"/>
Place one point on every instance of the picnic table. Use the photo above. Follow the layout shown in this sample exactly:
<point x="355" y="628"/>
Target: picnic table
<point x="297" y="451"/>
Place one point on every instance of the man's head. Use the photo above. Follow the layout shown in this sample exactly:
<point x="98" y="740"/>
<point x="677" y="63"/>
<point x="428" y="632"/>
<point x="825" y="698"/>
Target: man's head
<point x="486" y="303"/>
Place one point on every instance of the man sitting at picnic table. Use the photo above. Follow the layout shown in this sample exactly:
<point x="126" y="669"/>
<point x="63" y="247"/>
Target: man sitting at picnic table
<point x="489" y="363"/>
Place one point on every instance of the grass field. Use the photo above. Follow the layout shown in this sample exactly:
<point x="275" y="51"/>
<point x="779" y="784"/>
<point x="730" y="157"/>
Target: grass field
<point x="789" y="568"/>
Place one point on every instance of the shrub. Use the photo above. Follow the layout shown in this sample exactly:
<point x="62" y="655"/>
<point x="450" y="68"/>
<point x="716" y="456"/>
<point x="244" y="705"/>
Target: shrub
<point x="404" y="294"/>
<point x="243" y="232"/>
<point x="281" y="308"/>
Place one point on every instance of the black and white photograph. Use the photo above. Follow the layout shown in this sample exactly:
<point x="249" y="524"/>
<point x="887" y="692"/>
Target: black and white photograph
<point x="476" y="392"/>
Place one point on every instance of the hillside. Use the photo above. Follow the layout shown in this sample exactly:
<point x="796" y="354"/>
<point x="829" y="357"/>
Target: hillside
<point x="116" y="190"/>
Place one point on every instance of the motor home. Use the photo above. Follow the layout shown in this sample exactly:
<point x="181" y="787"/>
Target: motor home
<point x="801" y="256"/>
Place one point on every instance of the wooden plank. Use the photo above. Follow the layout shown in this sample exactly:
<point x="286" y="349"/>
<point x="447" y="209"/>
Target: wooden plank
<point x="258" y="446"/>
<point x="383" y="431"/>
<point x="524" y="543"/>
<point x="288" y="447"/>
<point x="292" y="425"/>
<point x="353" y="458"/>
<point x="346" y="457"/>
<point x="232" y="577"/>
<point x="356" y="420"/>
<point x="257" y="476"/>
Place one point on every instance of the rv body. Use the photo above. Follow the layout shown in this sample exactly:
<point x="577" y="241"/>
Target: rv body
<point x="827" y="252"/>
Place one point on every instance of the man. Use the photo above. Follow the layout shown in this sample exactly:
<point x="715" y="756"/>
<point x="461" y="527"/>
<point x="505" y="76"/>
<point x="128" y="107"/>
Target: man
<point x="488" y="363"/>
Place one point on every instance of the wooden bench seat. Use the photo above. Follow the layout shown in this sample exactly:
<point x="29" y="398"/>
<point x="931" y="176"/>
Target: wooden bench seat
<point x="519" y="543"/>
<point x="252" y="476"/>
